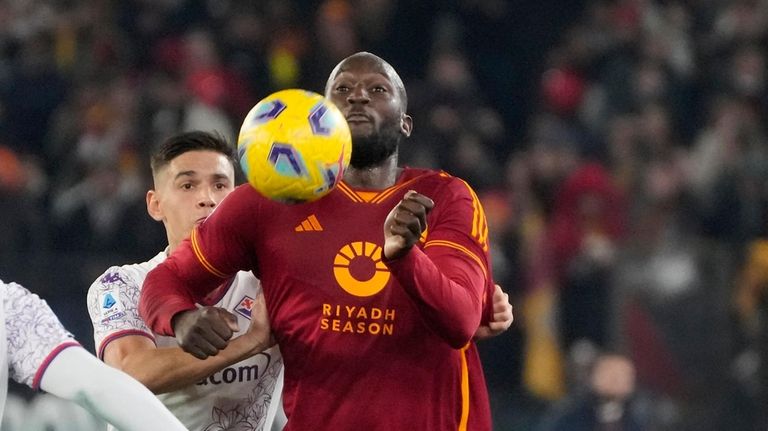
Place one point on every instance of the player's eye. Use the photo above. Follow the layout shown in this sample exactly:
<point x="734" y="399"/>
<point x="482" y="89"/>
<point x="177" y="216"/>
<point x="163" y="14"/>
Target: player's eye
<point x="379" y="89"/>
<point x="187" y="186"/>
<point x="220" y="186"/>
<point x="342" y="89"/>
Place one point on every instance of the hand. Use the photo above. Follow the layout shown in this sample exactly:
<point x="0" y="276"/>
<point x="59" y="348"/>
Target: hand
<point x="205" y="331"/>
<point x="405" y="223"/>
<point x="259" y="333"/>
<point x="502" y="316"/>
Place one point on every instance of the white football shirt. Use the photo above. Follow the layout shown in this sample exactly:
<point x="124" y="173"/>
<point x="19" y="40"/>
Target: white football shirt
<point x="30" y="337"/>
<point x="236" y="398"/>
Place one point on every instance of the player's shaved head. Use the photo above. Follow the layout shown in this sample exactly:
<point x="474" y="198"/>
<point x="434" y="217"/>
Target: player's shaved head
<point x="376" y="64"/>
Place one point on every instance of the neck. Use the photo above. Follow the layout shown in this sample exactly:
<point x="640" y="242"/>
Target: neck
<point x="379" y="177"/>
<point x="172" y="245"/>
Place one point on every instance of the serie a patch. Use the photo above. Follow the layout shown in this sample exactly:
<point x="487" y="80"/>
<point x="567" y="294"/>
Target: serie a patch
<point x="110" y="306"/>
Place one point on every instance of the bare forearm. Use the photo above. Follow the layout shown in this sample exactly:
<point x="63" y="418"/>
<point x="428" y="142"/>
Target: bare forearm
<point x="168" y="369"/>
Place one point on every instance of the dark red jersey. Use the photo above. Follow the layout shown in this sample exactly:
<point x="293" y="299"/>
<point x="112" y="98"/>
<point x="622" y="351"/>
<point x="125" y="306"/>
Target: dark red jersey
<point x="368" y="343"/>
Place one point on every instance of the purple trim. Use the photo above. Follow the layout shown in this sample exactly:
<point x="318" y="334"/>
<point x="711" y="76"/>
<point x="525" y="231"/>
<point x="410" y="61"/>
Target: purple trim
<point x="48" y="359"/>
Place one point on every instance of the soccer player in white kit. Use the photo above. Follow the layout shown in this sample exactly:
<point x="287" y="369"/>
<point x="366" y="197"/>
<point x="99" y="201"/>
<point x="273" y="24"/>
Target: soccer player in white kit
<point x="36" y="350"/>
<point x="233" y="390"/>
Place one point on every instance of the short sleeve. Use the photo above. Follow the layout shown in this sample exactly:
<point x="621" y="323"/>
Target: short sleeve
<point x="113" y="301"/>
<point x="34" y="334"/>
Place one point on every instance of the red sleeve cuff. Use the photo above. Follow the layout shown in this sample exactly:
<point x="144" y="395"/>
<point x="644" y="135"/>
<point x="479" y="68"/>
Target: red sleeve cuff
<point x="405" y="263"/>
<point x="161" y="323"/>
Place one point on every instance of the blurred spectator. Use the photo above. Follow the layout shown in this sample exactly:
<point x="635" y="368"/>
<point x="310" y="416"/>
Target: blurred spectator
<point x="31" y="94"/>
<point x="211" y="82"/>
<point x="587" y="226"/>
<point x="728" y="171"/>
<point x="664" y="102"/>
<point x="751" y="352"/>
<point x="562" y="91"/>
<point x="458" y="131"/>
<point x="740" y="21"/>
<point x="22" y="227"/>
<point x="605" y="404"/>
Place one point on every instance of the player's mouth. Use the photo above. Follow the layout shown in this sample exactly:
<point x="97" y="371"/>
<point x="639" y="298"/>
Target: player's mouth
<point x="200" y="220"/>
<point x="358" y="117"/>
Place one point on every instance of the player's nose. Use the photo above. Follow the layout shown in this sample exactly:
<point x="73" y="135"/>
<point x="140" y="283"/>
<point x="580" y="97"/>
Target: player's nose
<point x="206" y="198"/>
<point x="358" y="94"/>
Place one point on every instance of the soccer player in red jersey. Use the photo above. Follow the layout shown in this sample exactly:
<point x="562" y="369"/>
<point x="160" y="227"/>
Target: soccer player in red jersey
<point x="374" y="292"/>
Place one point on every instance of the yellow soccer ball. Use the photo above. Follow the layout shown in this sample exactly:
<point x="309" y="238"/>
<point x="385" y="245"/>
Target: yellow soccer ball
<point x="294" y="146"/>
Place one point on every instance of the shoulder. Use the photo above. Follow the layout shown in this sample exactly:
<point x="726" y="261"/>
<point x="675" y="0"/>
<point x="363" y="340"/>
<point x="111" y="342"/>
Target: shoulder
<point x="244" y="196"/>
<point x="244" y="200"/>
<point x="455" y="184"/>
<point x="13" y="292"/>
<point x="123" y="281"/>
<point x="126" y="276"/>
<point x="438" y="183"/>
<point x="23" y="306"/>
<point x="19" y="299"/>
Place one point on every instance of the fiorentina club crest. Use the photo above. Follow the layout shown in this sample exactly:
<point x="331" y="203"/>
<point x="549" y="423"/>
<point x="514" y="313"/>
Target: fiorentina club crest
<point x="245" y="307"/>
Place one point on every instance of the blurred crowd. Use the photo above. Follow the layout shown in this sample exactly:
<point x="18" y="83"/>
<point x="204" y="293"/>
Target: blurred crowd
<point x="619" y="147"/>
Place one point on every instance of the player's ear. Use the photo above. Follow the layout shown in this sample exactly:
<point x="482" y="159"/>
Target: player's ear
<point x="406" y="124"/>
<point x="153" y="206"/>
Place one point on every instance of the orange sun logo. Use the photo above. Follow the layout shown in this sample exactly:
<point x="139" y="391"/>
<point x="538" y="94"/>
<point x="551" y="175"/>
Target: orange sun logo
<point x="359" y="270"/>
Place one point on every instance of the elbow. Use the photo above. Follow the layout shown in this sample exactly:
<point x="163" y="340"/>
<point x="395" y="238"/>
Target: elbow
<point x="459" y="336"/>
<point x="458" y="343"/>
<point x="460" y="328"/>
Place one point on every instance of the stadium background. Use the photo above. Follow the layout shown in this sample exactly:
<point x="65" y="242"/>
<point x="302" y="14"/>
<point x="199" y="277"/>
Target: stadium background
<point x="619" y="148"/>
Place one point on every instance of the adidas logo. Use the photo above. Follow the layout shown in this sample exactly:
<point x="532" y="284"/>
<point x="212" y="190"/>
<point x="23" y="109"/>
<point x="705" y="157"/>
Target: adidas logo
<point x="310" y="224"/>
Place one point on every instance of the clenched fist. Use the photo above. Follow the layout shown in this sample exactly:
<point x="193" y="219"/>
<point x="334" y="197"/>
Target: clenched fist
<point x="205" y="331"/>
<point x="405" y="223"/>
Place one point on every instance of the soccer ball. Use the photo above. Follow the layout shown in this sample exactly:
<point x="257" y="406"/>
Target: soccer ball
<point x="294" y="146"/>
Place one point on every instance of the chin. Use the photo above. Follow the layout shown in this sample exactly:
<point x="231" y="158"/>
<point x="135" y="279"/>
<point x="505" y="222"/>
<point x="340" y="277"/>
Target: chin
<point x="372" y="149"/>
<point x="360" y="133"/>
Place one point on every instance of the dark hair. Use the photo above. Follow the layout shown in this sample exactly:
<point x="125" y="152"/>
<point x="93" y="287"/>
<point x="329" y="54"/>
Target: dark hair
<point x="181" y="143"/>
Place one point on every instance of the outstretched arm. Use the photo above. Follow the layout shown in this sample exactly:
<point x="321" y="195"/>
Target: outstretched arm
<point x="76" y="375"/>
<point x="42" y="354"/>
<point x="124" y="341"/>
<point x="167" y="369"/>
